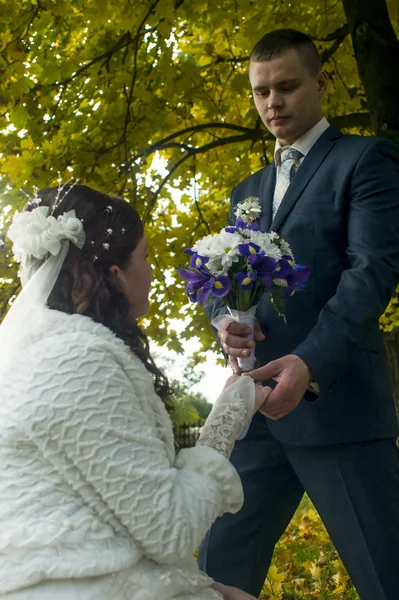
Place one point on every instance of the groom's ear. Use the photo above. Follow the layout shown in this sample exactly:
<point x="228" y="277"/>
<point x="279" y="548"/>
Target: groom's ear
<point x="322" y="81"/>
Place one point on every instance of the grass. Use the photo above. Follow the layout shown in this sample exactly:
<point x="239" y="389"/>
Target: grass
<point x="306" y="564"/>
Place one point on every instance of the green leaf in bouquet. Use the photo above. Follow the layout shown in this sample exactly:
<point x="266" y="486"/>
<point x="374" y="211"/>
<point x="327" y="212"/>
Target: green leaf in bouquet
<point x="278" y="303"/>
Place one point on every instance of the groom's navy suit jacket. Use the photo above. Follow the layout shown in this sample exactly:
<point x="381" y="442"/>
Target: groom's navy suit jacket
<point x="340" y="216"/>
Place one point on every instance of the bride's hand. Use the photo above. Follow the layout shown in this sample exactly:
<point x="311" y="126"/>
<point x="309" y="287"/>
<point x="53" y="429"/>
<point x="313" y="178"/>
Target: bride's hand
<point x="232" y="593"/>
<point x="261" y="392"/>
<point x="230" y="380"/>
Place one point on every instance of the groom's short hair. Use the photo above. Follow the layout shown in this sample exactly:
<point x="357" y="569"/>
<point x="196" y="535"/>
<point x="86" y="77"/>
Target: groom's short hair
<point x="275" y="43"/>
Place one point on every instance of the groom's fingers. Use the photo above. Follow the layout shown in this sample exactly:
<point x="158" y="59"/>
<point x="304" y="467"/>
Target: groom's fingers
<point x="258" y="333"/>
<point x="236" y="350"/>
<point x="234" y="337"/>
<point x="234" y="340"/>
<point x="272" y="369"/>
<point x="239" y="329"/>
<point x="234" y="365"/>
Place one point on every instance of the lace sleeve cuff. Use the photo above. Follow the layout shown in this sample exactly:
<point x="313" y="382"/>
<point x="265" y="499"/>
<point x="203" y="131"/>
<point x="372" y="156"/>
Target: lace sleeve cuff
<point x="230" y="414"/>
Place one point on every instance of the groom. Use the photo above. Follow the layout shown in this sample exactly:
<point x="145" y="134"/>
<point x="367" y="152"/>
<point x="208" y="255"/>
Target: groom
<point x="330" y="426"/>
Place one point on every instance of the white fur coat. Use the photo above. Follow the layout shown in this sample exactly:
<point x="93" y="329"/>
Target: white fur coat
<point x="89" y="482"/>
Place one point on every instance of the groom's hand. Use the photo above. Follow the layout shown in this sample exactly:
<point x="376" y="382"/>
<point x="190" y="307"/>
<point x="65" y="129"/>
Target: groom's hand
<point x="235" y="343"/>
<point x="293" y="378"/>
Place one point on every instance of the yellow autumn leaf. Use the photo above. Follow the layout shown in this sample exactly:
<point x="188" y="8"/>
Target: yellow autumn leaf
<point x="274" y="576"/>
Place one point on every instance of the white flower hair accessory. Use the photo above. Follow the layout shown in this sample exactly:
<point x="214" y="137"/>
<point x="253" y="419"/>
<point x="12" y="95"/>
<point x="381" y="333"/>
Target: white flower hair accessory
<point x="37" y="233"/>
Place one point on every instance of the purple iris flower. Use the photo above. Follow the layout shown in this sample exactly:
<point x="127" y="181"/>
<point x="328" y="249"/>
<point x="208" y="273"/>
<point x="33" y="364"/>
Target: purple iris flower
<point x="283" y="267"/>
<point x="221" y="286"/>
<point x="265" y="266"/>
<point x="218" y="286"/>
<point x="198" y="276"/>
<point x="230" y="229"/>
<point x="296" y="280"/>
<point x="197" y="261"/>
<point x="201" y="283"/>
<point x="249" y="249"/>
<point x="247" y="280"/>
<point x="254" y="226"/>
<point x="241" y="224"/>
<point x="192" y="291"/>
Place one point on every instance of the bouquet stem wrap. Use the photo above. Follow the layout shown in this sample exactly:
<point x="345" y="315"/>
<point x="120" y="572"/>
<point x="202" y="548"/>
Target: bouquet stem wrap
<point x="247" y="317"/>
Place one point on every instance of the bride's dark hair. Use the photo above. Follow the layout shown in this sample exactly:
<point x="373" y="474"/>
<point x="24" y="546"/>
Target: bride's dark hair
<point x="86" y="285"/>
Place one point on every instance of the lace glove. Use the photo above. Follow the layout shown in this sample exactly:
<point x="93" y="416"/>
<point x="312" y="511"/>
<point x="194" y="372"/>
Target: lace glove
<point x="231" y="412"/>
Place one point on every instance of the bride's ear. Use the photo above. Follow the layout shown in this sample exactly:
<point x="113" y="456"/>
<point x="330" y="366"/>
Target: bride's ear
<point x="119" y="274"/>
<point x="115" y="270"/>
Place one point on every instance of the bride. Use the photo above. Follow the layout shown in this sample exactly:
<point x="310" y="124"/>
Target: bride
<point x="94" y="501"/>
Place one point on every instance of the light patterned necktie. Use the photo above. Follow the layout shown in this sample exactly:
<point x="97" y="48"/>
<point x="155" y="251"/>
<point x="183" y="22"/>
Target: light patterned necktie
<point x="289" y="164"/>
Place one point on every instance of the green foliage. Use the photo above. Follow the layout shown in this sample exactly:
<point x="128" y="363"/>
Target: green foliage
<point x="191" y="407"/>
<point x="390" y="319"/>
<point x="184" y="414"/>
<point x="95" y="90"/>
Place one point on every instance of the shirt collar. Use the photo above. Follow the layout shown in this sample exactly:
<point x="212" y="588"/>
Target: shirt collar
<point x="308" y="139"/>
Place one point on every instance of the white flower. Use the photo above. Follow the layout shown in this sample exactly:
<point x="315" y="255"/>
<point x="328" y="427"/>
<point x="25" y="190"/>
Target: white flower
<point x="264" y="240"/>
<point x="203" y="246"/>
<point x="285" y="248"/>
<point x="249" y="210"/>
<point x="280" y="282"/>
<point x="72" y="228"/>
<point x="282" y="244"/>
<point x="274" y="236"/>
<point x="221" y="249"/>
<point x="36" y="233"/>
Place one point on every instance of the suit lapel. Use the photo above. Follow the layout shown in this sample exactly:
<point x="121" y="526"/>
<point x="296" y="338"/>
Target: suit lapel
<point x="308" y="168"/>
<point x="266" y="192"/>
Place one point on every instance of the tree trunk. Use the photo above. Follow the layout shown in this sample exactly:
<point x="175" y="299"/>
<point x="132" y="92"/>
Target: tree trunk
<point x="391" y="343"/>
<point x="377" y="55"/>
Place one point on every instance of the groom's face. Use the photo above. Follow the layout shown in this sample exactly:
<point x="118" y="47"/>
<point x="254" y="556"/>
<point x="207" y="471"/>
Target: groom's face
<point x="287" y="95"/>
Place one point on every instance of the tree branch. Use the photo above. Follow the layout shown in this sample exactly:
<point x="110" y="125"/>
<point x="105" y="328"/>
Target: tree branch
<point x="338" y="36"/>
<point x="201" y="216"/>
<point x="352" y="120"/>
<point x="35" y="12"/>
<point x="334" y="35"/>
<point x="115" y="48"/>
<point x="194" y="129"/>
<point x="220" y="59"/>
<point x="201" y="150"/>
<point x="133" y="81"/>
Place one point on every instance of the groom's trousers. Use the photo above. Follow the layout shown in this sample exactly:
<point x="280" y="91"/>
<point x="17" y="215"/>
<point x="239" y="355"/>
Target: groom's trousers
<point x="355" y="488"/>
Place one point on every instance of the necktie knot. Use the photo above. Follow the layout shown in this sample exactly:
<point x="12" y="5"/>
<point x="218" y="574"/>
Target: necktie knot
<point x="289" y="154"/>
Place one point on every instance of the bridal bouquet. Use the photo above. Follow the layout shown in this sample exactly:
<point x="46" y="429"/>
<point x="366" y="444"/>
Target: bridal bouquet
<point x="240" y="264"/>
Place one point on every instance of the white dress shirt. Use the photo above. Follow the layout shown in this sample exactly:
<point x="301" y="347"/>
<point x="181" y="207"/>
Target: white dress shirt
<point x="305" y="142"/>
